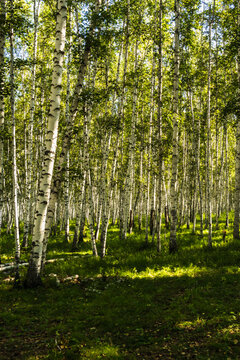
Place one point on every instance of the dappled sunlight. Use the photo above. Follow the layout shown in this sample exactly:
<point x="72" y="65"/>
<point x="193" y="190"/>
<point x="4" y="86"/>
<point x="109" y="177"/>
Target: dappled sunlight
<point x="133" y="304"/>
<point x="100" y="351"/>
<point x="191" y="325"/>
<point x="168" y="271"/>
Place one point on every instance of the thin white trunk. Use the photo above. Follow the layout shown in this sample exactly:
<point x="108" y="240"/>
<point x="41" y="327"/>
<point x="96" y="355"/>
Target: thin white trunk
<point x="29" y="175"/>
<point x="67" y="180"/>
<point x="237" y="161"/>
<point x="14" y="155"/>
<point x="173" y="188"/>
<point x="149" y="148"/>
<point x="159" y="125"/>
<point x="2" y="45"/>
<point x="105" y="222"/>
<point x="128" y="187"/>
<point x="208" y="150"/>
<point x="226" y="177"/>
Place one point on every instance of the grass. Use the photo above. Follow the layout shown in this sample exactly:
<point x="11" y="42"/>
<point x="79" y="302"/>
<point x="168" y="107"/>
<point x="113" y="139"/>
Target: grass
<point x="134" y="304"/>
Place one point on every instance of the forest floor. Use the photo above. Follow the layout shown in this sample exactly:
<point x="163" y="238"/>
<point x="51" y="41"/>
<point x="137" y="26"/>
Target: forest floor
<point x="134" y="304"/>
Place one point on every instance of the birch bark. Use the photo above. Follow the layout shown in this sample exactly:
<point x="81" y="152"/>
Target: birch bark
<point x="128" y="188"/>
<point x="34" y="269"/>
<point x="29" y="175"/>
<point x="57" y="181"/>
<point x="159" y="123"/>
<point x="67" y="180"/>
<point x="2" y="45"/>
<point x="149" y="150"/>
<point x="227" y="177"/>
<point x="173" y="188"/>
<point x="208" y="150"/>
<point x="237" y="161"/>
<point x="14" y="154"/>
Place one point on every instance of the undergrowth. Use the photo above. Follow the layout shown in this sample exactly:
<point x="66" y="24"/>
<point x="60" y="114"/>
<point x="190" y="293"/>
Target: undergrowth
<point x="133" y="304"/>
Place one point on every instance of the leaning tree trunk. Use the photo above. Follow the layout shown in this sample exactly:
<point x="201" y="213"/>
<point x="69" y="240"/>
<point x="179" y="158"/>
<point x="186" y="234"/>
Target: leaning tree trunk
<point x="173" y="188"/>
<point x="34" y="269"/>
<point x="57" y="181"/>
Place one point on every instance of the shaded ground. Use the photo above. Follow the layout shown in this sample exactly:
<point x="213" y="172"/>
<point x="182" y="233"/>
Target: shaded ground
<point x="134" y="304"/>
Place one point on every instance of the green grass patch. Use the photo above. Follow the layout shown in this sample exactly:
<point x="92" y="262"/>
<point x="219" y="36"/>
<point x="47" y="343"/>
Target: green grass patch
<point x="134" y="304"/>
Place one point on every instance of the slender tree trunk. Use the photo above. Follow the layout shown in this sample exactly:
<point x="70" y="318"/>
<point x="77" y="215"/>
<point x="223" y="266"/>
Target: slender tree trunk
<point x="208" y="150"/>
<point x="128" y="188"/>
<point x="29" y="175"/>
<point x="34" y="269"/>
<point x="237" y="161"/>
<point x="67" y="180"/>
<point x="14" y="155"/>
<point x="80" y="203"/>
<point x="105" y="222"/>
<point x="91" y="214"/>
<point x="2" y="45"/>
<point x="140" y="211"/>
<point x="195" y="161"/>
<point x="227" y="177"/>
<point x="122" y="211"/>
<point x="149" y="149"/>
<point x="173" y="188"/>
<point x="185" y="183"/>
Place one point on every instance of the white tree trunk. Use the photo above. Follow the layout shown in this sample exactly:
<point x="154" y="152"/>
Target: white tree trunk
<point x="73" y="112"/>
<point x="208" y="150"/>
<point x="14" y="155"/>
<point x="149" y="149"/>
<point x="237" y="161"/>
<point x="226" y="177"/>
<point x="67" y="180"/>
<point x="173" y="188"/>
<point x="2" y="44"/>
<point x="159" y="125"/>
<point x="34" y="269"/>
<point x="29" y="175"/>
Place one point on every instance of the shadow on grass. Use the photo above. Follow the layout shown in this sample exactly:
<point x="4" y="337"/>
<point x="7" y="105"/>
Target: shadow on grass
<point x="133" y="304"/>
<point x="172" y="317"/>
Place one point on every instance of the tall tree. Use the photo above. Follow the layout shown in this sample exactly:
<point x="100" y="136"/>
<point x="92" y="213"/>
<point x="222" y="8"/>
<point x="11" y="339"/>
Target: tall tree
<point x="2" y="44"/>
<point x="208" y="149"/>
<point x="14" y="150"/>
<point x="173" y="188"/>
<point x="34" y="269"/>
<point x="237" y="161"/>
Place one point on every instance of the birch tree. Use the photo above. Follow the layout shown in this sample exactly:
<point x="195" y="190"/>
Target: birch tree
<point x="34" y="269"/>
<point x="29" y="173"/>
<point x="208" y="149"/>
<point x="14" y="152"/>
<point x="237" y="161"/>
<point x="2" y="44"/>
<point x="173" y="188"/>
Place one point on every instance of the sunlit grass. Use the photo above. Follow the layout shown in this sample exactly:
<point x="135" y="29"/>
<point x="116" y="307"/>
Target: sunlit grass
<point x="133" y="304"/>
<point x="101" y="351"/>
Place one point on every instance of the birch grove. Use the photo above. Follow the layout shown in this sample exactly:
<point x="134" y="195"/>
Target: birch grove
<point x="136" y="128"/>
